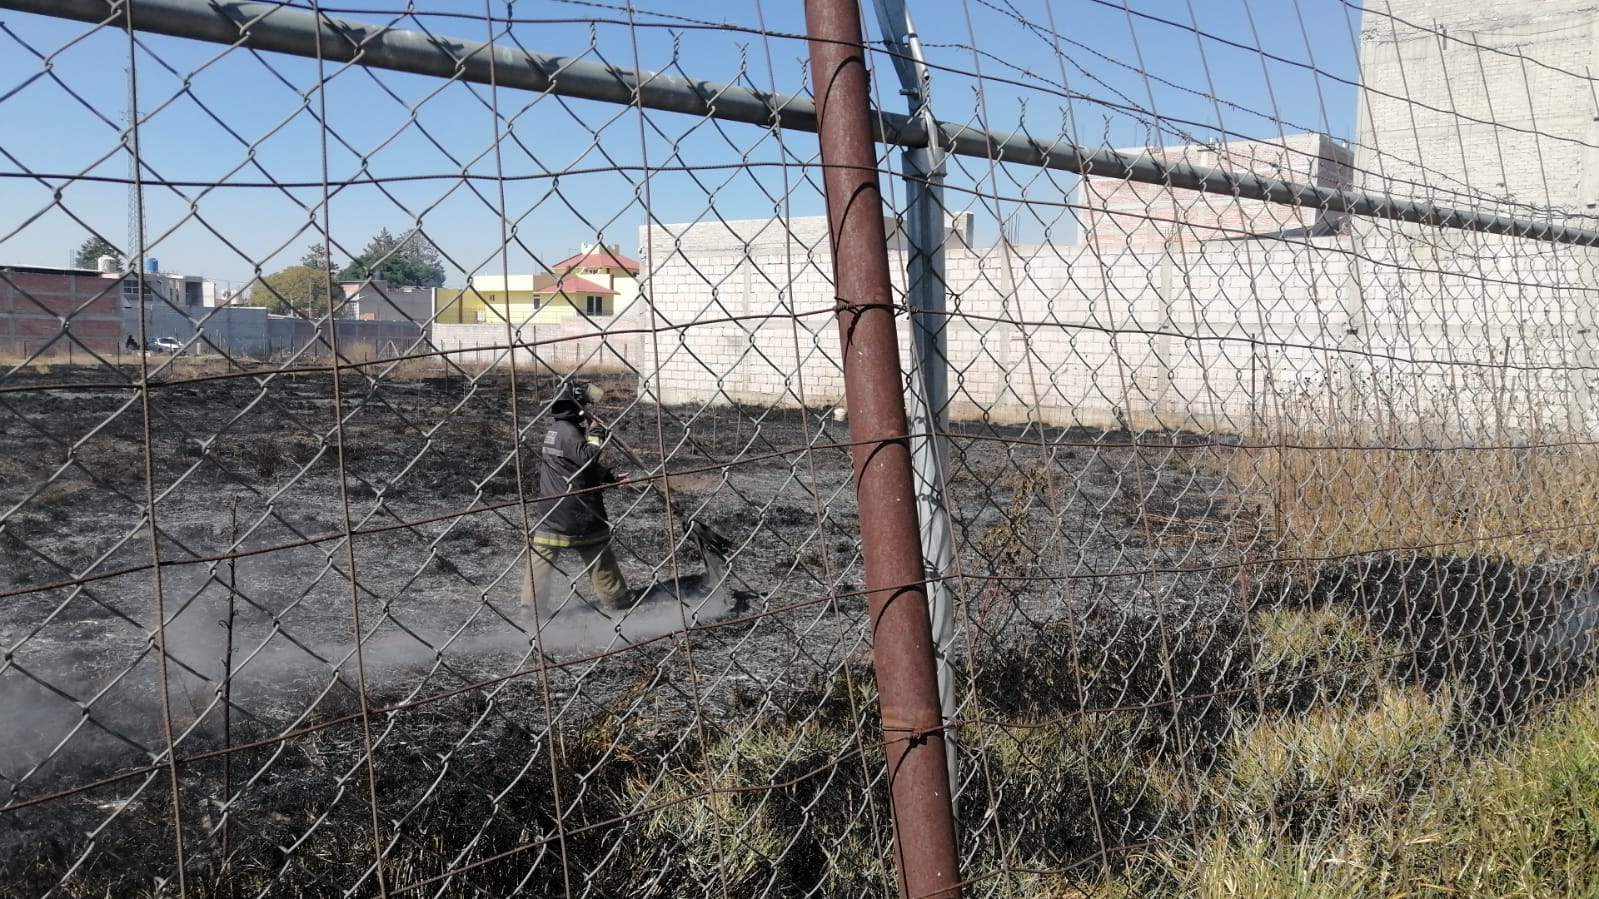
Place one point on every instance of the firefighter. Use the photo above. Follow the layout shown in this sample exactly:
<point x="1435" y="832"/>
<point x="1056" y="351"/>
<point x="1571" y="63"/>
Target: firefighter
<point x="570" y="512"/>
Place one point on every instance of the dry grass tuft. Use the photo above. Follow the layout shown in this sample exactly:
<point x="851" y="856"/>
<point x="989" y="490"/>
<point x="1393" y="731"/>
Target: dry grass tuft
<point x="779" y="802"/>
<point x="1517" y="823"/>
<point x="1305" y="658"/>
<point x="1518" y="502"/>
<point x="1339" y="769"/>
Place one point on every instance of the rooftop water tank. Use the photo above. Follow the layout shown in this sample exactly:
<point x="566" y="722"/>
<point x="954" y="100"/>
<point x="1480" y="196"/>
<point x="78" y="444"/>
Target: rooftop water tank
<point x="107" y="265"/>
<point x="151" y="265"/>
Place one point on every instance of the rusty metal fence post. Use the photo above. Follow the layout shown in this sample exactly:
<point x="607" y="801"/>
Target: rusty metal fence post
<point x="918" y="776"/>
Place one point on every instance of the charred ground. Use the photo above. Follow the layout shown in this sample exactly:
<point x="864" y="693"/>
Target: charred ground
<point x="1098" y="572"/>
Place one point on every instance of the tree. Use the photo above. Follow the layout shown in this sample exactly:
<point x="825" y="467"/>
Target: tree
<point x="408" y="261"/>
<point x="297" y="290"/>
<point x="318" y="256"/>
<point x="92" y="249"/>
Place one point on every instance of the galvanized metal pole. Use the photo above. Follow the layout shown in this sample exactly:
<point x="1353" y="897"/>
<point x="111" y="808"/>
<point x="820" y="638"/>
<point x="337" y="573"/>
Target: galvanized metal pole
<point x="929" y="394"/>
<point x="902" y="650"/>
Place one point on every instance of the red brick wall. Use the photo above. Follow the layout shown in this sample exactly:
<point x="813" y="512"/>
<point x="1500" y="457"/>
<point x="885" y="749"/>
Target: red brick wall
<point x="64" y="311"/>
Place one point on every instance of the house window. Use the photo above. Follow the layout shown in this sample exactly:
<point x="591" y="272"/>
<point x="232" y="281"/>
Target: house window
<point x="592" y="271"/>
<point x="130" y="291"/>
<point x="596" y="305"/>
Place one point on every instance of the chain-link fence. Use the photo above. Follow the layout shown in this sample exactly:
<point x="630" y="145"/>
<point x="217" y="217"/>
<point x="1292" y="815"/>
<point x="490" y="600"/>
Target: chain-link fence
<point x="1247" y="355"/>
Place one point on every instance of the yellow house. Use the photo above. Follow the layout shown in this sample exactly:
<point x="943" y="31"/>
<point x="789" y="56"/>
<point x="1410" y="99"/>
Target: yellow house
<point x="598" y="282"/>
<point x="489" y="299"/>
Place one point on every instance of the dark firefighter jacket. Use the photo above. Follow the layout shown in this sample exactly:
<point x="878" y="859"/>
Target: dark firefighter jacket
<point x="569" y="460"/>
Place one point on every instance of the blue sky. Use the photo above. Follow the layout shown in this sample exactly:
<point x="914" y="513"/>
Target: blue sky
<point x="506" y="180"/>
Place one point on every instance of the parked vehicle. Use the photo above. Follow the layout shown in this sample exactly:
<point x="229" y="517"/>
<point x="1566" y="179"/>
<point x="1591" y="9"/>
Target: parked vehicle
<point x="163" y="345"/>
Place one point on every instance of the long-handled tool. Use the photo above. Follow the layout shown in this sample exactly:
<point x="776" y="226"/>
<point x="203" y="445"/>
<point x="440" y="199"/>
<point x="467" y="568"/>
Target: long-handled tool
<point x="699" y="530"/>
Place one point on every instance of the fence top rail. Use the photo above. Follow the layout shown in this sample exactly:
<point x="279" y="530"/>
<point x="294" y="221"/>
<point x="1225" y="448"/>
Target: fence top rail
<point x="298" y="32"/>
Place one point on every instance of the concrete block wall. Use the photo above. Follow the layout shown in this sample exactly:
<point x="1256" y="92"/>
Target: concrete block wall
<point x="1500" y="331"/>
<point x="249" y="332"/>
<point x="1230" y="335"/>
<point x="1487" y="100"/>
<point x="234" y="330"/>
<point x="1488" y="106"/>
<point x="742" y="313"/>
<point x="1072" y="333"/>
<point x="568" y="345"/>
<point x="1181" y="339"/>
<point x="357" y="340"/>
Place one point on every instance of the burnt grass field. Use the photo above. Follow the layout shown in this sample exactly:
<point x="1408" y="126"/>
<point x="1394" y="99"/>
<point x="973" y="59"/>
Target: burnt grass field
<point x="1101" y="573"/>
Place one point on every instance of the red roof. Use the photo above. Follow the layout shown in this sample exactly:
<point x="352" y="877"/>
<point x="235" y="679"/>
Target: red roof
<point x="600" y="258"/>
<point x="572" y="285"/>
